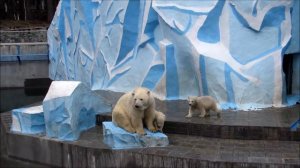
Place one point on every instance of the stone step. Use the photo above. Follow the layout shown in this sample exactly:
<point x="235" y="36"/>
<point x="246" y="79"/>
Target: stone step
<point x="183" y="151"/>
<point x="267" y="124"/>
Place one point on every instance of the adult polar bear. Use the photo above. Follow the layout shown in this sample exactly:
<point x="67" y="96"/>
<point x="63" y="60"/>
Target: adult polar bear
<point x="134" y="108"/>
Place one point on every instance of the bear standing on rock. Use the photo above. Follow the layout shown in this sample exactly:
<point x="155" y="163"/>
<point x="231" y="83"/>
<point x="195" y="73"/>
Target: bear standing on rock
<point x="202" y="105"/>
<point x="132" y="109"/>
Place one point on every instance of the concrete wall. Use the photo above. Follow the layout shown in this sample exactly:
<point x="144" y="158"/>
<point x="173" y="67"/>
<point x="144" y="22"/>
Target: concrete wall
<point x="7" y="36"/>
<point x="14" y="74"/>
<point x="20" y="61"/>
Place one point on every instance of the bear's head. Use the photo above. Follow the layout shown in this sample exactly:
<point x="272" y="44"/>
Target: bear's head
<point x="192" y="101"/>
<point x="142" y="98"/>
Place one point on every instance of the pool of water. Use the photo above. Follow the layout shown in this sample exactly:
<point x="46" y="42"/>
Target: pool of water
<point x="12" y="98"/>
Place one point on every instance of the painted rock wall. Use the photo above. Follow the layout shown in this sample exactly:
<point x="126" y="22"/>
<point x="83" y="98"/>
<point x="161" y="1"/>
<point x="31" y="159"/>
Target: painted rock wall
<point x="231" y="50"/>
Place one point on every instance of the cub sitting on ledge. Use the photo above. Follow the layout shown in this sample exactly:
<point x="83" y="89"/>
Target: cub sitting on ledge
<point x="132" y="109"/>
<point x="202" y="105"/>
<point x="159" y="121"/>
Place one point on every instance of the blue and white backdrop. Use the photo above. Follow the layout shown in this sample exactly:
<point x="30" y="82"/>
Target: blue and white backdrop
<point x="231" y="50"/>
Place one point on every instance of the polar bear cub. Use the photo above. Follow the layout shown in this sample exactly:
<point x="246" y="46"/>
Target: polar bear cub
<point x="159" y="120"/>
<point x="202" y="105"/>
<point x="132" y="109"/>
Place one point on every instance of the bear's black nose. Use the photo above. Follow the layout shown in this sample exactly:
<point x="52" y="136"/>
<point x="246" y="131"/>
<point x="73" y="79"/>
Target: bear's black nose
<point x="136" y="106"/>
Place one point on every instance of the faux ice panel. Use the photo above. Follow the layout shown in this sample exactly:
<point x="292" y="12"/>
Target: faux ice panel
<point x="70" y="108"/>
<point x="28" y="120"/>
<point x="118" y="138"/>
<point x="231" y="50"/>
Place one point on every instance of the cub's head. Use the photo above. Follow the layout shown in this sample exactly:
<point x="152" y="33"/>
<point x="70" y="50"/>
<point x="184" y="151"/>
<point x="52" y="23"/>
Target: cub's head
<point x="141" y="98"/>
<point x="192" y="101"/>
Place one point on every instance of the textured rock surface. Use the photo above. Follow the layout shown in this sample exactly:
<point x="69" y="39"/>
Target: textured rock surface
<point x="231" y="50"/>
<point x="28" y="120"/>
<point x="70" y="108"/>
<point x="118" y="138"/>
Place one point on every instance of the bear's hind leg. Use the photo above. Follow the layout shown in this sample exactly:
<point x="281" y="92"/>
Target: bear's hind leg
<point x="216" y="109"/>
<point x="122" y="121"/>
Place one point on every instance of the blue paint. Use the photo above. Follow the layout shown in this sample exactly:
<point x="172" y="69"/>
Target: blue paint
<point x="294" y="46"/>
<point x="227" y="106"/>
<point x="87" y="8"/>
<point x="264" y="41"/>
<point x="229" y="86"/>
<point x="175" y="8"/>
<point x="152" y="21"/>
<point x="210" y="32"/>
<point x="116" y="77"/>
<point x="53" y="116"/>
<point x="151" y="26"/>
<point x="254" y="12"/>
<point x="171" y="74"/>
<point x="203" y="75"/>
<point x="118" y="138"/>
<point x="69" y="113"/>
<point x="61" y="29"/>
<point x="240" y="17"/>
<point x="30" y="123"/>
<point x="31" y="57"/>
<point x="154" y="75"/>
<point x="295" y="125"/>
<point x="130" y="29"/>
<point x="168" y="21"/>
<point x="274" y="17"/>
<point x="116" y="19"/>
<point x="293" y="99"/>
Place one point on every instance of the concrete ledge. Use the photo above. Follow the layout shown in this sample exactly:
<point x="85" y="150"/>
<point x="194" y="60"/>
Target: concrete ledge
<point x="183" y="151"/>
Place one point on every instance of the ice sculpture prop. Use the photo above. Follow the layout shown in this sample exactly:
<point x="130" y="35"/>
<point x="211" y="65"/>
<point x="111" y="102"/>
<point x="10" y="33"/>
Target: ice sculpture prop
<point x="117" y="138"/>
<point x="70" y="108"/>
<point x="28" y="120"/>
<point x="231" y="50"/>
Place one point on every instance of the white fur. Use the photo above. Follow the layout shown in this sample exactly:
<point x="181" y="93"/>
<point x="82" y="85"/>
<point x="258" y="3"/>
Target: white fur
<point x="202" y="105"/>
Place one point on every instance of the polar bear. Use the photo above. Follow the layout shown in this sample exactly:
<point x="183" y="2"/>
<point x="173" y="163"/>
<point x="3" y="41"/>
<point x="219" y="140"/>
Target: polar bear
<point x="159" y="120"/>
<point x="202" y="104"/>
<point x="132" y="109"/>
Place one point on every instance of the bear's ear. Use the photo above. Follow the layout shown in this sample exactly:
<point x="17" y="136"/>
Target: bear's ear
<point x="148" y="92"/>
<point x="132" y="93"/>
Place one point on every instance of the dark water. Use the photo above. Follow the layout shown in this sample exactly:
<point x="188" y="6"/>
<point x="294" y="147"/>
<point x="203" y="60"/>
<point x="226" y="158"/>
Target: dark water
<point x="16" y="97"/>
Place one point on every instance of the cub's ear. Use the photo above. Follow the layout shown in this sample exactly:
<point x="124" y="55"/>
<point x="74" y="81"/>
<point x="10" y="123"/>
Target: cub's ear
<point x="148" y="92"/>
<point x="189" y="97"/>
<point x="132" y="93"/>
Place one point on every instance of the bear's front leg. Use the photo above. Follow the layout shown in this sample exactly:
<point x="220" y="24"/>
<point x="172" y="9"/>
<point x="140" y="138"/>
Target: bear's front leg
<point x="149" y="124"/>
<point x="149" y="119"/>
<point x="190" y="114"/>
<point x="202" y="113"/>
<point x="137" y="124"/>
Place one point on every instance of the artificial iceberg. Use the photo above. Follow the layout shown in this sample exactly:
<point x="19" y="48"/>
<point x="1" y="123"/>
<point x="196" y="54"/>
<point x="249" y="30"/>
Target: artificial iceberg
<point x="70" y="108"/>
<point x="28" y="120"/>
<point x="118" y="138"/>
<point x="231" y="50"/>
